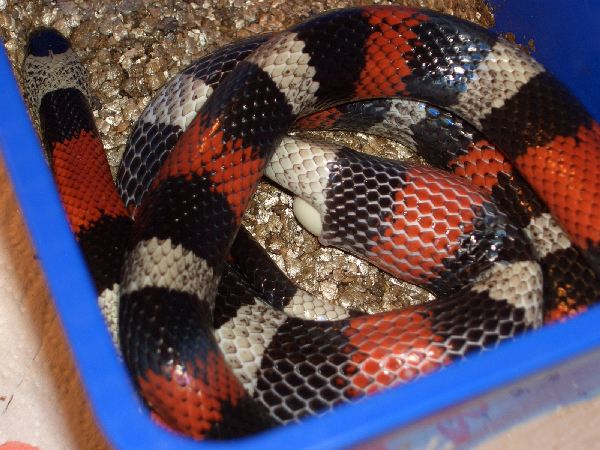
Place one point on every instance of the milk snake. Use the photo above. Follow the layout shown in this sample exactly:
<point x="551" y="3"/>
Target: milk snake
<point x="486" y="269"/>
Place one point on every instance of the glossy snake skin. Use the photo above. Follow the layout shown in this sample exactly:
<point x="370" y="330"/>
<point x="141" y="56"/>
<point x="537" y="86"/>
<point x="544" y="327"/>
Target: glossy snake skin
<point x="231" y="359"/>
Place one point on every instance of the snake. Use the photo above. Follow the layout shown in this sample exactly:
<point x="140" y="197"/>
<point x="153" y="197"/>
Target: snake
<point x="219" y="343"/>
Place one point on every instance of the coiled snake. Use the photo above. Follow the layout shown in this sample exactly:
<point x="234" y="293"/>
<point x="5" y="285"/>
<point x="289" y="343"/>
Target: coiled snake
<point x="233" y="362"/>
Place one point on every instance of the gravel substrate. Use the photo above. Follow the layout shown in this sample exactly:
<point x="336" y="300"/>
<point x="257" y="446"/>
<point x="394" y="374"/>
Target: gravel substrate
<point x="132" y="47"/>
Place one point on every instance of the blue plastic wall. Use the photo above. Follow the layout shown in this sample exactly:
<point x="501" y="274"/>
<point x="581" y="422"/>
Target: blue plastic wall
<point x="566" y="37"/>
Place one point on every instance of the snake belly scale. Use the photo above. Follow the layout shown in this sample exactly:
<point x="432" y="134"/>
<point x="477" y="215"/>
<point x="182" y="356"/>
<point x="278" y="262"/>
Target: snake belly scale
<point x="178" y="325"/>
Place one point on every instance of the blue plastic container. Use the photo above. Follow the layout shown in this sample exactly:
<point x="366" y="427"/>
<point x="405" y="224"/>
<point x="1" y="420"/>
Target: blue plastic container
<point x="462" y="404"/>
